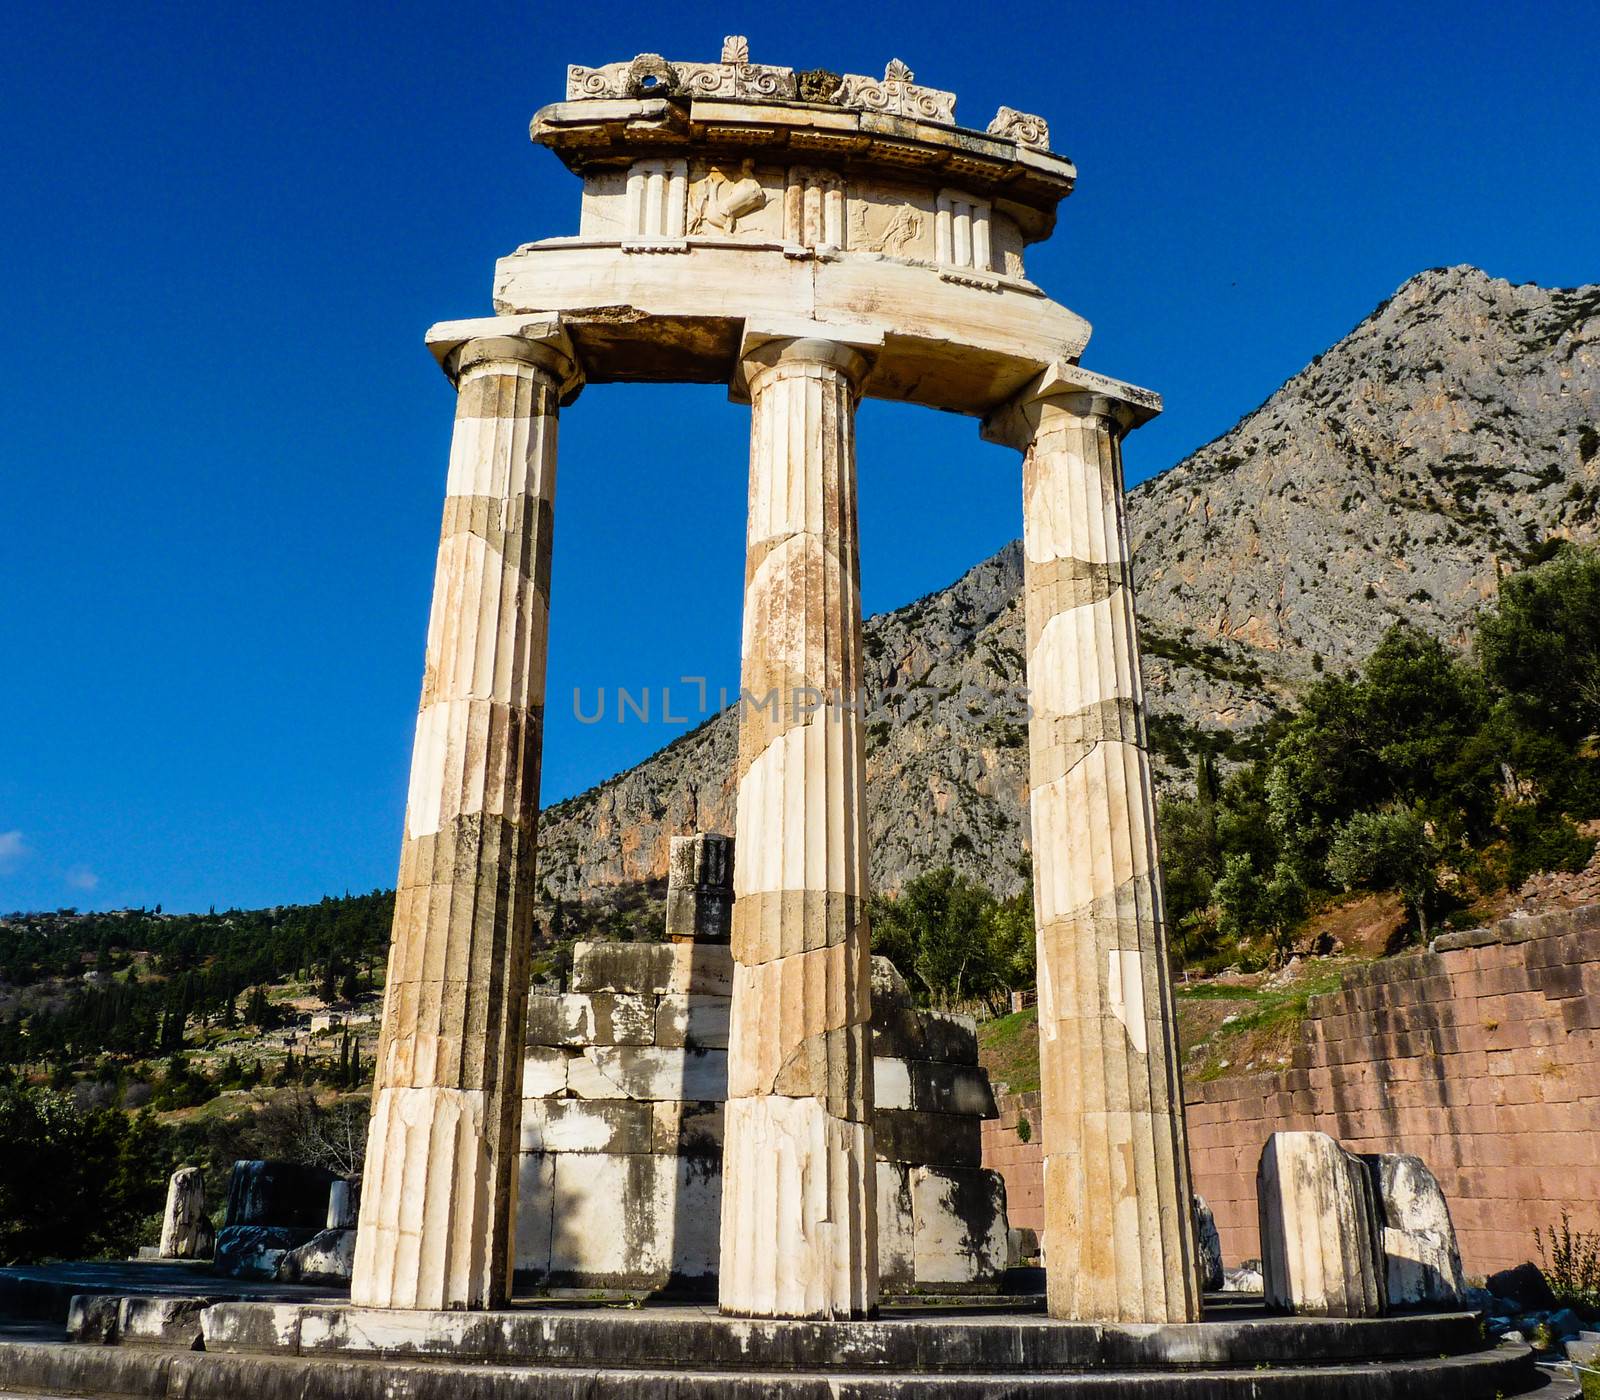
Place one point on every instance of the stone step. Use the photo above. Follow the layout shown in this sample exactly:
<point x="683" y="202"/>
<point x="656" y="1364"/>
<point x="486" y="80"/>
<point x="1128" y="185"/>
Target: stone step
<point x="113" y="1372"/>
<point x="902" y="1340"/>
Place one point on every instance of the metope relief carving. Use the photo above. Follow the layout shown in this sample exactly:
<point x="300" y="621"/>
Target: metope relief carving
<point x="657" y="198"/>
<point x="722" y="200"/>
<point x="894" y="229"/>
<point x="814" y="208"/>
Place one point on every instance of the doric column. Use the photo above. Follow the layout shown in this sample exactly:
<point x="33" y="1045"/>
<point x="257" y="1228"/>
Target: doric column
<point x="1119" y="1232"/>
<point x="439" y="1194"/>
<point x="799" y="1228"/>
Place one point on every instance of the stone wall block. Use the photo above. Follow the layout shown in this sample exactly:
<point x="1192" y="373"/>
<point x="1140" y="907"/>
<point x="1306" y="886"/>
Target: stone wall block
<point x="648" y="1072"/>
<point x="931" y="1139"/>
<point x="597" y="1018"/>
<point x="897" y="1228"/>
<point x="688" y="1130"/>
<point x="1320" y="1248"/>
<point x="699" y="1020"/>
<point x="653" y="969"/>
<point x="587" y="1125"/>
<point x="961" y="1238"/>
<point x="923" y="1086"/>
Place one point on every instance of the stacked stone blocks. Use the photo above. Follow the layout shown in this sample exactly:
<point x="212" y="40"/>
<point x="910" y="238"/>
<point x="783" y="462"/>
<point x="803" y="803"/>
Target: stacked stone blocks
<point x="625" y="1083"/>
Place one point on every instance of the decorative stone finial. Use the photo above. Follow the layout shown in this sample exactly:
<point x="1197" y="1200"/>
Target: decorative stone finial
<point x="650" y="75"/>
<point x="896" y="95"/>
<point x="1022" y="127"/>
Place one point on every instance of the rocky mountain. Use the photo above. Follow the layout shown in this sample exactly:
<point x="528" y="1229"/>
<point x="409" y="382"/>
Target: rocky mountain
<point x="1399" y="474"/>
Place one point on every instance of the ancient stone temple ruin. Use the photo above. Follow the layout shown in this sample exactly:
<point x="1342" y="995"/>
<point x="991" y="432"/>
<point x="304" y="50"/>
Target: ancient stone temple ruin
<point x="808" y="239"/>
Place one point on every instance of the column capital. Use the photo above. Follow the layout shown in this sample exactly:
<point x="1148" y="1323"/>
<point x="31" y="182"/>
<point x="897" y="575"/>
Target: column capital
<point x="1076" y="390"/>
<point x="541" y="341"/>
<point x="850" y="349"/>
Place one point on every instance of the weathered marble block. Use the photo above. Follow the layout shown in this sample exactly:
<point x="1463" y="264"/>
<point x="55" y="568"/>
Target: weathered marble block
<point x="700" y="887"/>
<point x="653" y="969"/>
<point x="1209" y="1245"/>
<point x="941" y="1228"/>
<point x="280" y="1194"/>
<point x="1320" y="1249"/>
<point x="1422" y="1262"/>
<point x="186" y="1231"/>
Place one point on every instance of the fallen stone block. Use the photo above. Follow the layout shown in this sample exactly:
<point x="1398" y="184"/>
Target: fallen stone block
<point x="186" y="1230"/>
<point x="1524" y="1285"/>
<point x="279" y="1193"/>
<point x="1422" y="1262"/>
<point x="328" y="1257"/>
<point x="1320" y="1249"/>
<point x="254" y="1251"/>
<point x="93" y="1318"/>
<point x="344" y="1203"/>
<point x="1209" y="1245"/>
<point x="1245" y="1279"/>
<point x="164" y="1322"/>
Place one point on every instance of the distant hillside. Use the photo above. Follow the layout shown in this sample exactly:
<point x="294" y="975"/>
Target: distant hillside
<point x="1442" y="440"/>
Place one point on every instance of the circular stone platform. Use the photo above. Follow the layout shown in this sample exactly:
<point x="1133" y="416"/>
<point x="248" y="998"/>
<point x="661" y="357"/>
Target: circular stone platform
<point x="319" y="1351"/>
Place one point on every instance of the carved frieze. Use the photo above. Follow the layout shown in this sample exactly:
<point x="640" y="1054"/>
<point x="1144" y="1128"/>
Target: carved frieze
<point x="1022" y="127"/>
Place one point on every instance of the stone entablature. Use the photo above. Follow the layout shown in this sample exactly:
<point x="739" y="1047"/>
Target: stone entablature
<point x="812" y="164"/>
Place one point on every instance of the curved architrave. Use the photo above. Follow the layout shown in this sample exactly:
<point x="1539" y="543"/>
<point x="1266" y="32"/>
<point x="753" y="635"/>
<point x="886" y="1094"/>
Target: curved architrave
<point x="968" y="345"/>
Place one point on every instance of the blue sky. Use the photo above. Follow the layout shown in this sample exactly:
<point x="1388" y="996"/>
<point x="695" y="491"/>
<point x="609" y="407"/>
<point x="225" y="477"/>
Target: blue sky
<point x="223" y="446"/>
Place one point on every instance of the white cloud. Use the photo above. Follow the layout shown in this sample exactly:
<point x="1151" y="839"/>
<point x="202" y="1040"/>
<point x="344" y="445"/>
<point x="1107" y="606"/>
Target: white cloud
<point x="12" y="849"/>
<point x="80" y="877"/>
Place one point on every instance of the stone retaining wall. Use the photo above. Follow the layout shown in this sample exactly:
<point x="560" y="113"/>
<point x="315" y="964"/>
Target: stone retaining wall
<point x="1481" y="1056"/>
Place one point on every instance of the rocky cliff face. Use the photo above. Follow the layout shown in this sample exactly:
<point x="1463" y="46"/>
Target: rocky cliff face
<point x="1398" y="475"/>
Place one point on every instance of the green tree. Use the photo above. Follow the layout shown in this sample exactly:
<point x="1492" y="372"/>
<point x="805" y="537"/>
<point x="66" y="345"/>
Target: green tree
<point x="1389" y="849"/>
<point x="1540" y="645"/>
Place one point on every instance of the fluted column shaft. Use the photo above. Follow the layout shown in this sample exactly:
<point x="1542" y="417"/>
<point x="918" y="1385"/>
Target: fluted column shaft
<point x="1119" y="1233"/>
<point x="799" y="1227"/>
<point x="436" y="1224"/>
